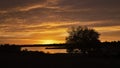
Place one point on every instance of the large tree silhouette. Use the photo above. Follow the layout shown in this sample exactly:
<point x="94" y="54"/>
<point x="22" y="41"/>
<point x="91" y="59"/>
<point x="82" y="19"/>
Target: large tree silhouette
<point x="81" y="39"/>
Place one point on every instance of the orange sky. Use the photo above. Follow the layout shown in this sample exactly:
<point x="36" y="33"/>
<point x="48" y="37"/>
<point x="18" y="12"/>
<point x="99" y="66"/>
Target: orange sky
<point x="53" y="33"/>
<point x="47" y="21"/>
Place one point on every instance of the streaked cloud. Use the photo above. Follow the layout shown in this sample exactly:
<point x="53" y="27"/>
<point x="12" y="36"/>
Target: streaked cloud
<point x="42" y="19"/>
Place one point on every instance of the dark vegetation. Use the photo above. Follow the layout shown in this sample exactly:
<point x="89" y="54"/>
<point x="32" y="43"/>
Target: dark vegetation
<point x="82" y="39"/>
<point x="84" y="50"/>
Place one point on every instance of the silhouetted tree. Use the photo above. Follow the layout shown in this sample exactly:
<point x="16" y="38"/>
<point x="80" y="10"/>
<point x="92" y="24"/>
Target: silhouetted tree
<point x="81" y="38"/>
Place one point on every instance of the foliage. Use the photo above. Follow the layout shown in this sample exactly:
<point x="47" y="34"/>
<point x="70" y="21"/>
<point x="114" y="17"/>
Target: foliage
<point x="81" y="38"/>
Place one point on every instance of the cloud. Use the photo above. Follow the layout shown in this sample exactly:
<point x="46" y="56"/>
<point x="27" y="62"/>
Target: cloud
<point x="64" y="10"/>
<point x="110" y="36"/>
<point x="105" y="23"/>
<point x="13" y="4"/>
<point x="42" y="17"/>
<point x="90" y="3"/>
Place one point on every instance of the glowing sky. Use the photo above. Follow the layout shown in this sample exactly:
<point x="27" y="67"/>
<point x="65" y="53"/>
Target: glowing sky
<point x="46" y="21"/>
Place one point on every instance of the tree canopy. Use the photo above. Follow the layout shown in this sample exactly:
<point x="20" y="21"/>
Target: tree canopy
<point x="81" y="38"/>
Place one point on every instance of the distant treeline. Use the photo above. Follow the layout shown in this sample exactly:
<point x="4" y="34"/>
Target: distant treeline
<point x="7" y="48"/>
<point x="110" y="48"/>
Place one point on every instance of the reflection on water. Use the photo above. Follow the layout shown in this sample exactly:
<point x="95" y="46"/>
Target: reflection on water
<point x="45" y="50"/>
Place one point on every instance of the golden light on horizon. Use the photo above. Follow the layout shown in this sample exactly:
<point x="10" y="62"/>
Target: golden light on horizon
<point x="49" y="42"/>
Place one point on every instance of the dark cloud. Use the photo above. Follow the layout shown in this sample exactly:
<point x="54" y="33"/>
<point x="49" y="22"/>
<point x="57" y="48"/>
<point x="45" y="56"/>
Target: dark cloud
<point x="97" y="4"/>
<point x="90" y="10"/>
<point x="106" y="23"/>
<point x="11" y="4"/>
<point x="65" y="10"/>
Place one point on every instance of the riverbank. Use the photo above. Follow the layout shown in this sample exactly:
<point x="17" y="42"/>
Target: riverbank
<point x="57" y="61"/>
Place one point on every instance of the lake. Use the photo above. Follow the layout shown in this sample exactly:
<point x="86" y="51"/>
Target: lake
<point x="44" y="50"/>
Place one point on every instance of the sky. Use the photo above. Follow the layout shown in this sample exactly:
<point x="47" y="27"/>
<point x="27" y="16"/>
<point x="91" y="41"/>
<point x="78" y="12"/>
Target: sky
<point x="47" y="21"/>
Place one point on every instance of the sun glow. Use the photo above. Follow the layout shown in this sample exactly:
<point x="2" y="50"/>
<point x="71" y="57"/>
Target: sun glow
<point x="49" y="42"/>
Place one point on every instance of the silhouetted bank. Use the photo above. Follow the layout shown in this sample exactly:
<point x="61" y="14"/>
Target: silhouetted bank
<point x="106" y="55"/>
<point x="37" y="60"/>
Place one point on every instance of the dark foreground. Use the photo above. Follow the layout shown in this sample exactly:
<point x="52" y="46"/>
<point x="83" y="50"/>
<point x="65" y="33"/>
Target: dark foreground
<point x="57" y="61"/>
